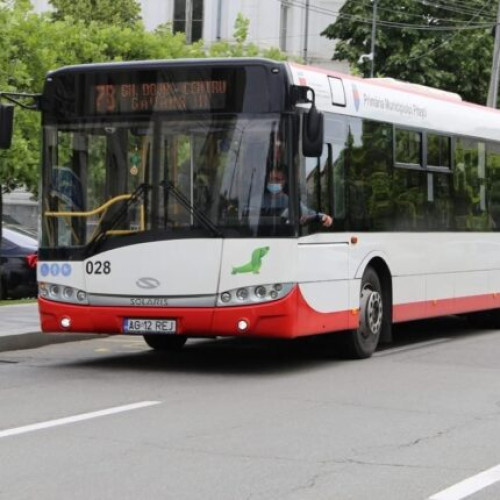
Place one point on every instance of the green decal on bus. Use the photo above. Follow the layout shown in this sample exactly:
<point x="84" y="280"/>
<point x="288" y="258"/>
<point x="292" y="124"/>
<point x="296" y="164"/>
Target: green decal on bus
<point x="255" y="262"/>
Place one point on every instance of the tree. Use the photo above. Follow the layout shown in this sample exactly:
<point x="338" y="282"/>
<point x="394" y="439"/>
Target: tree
<point x="117" y="12"/>
<point x="32" y="44"/>
<point x="437" y="44"/>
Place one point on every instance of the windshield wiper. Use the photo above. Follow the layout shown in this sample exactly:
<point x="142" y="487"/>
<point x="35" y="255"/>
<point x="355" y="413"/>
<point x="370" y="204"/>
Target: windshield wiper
<point x="113" y="221"/>
<point x="194" y="211"/>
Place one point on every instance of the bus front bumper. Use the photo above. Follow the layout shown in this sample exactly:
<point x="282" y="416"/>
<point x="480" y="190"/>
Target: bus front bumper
<point x="289" y="317"/>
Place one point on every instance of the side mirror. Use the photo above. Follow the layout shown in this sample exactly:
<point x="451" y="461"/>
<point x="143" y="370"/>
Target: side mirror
<point x="312" y="133"/>
<point x="6" y="125"/>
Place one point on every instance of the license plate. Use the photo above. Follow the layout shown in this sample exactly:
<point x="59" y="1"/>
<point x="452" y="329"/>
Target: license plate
<point x="140" y="326"/>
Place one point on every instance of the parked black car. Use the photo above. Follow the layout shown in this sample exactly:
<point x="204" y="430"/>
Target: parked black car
<point x="18" y="258"/>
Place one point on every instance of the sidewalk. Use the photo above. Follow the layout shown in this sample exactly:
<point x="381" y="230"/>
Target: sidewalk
<point x="20" y="329"/>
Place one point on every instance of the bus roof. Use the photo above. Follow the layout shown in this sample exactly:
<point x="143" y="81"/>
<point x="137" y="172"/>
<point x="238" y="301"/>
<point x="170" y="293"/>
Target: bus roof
<point x="155" y="64"/>
<point x="401" y="103"/>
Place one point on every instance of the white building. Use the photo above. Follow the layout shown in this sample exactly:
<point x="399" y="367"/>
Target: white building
<point x="273" y="23"/>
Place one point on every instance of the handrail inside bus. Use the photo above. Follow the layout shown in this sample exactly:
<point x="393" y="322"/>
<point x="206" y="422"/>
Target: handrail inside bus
<point x="103" y="210"/>
<point x="98" y="210"/>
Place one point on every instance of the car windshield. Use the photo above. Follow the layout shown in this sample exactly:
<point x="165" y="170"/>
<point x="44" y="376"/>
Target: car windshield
<point x="176" y="176"/>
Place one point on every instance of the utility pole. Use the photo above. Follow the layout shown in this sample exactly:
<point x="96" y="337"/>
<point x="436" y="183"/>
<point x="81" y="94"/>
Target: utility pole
<point x="189" y="22"/>
<point x="374" y="34"/>
<point x="495" y="66"/>
<point x="306" y="32"/>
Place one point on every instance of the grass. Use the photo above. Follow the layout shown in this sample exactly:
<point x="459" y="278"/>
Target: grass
<point x="11" y="302"/>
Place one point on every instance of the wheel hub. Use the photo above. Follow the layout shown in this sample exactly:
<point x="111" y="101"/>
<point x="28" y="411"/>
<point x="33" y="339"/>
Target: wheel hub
<point x="372" y="312"/>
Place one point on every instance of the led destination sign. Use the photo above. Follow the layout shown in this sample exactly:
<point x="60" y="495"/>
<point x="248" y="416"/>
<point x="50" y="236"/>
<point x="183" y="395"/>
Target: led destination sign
<point x="196" y="95"/>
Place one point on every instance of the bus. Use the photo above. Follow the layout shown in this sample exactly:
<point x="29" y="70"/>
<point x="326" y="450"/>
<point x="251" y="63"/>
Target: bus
<point x="153" y="219"/>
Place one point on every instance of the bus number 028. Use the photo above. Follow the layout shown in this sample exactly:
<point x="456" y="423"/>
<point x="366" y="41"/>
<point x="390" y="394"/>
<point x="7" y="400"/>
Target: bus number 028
<point x="98" y="267"/>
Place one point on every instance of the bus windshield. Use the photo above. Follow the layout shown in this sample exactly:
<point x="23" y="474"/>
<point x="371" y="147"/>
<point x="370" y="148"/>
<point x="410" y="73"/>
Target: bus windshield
<point x="197" y="175"/>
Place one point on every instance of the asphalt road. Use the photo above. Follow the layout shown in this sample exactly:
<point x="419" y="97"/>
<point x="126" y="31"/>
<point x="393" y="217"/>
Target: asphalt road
<point x="229" y="419"/>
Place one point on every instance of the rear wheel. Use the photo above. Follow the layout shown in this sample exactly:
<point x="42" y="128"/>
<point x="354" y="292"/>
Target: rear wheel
<point x="164" y="343"/>
<point x="362" y="342"/>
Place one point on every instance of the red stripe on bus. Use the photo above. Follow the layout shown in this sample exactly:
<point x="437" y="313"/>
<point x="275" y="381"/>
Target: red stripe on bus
<point x="289" y="317"/>
<point x="443" y="307"/>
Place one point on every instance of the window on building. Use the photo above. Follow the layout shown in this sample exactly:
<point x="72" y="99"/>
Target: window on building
<point x="180" y="18"/>
<point x="285" y="8"/>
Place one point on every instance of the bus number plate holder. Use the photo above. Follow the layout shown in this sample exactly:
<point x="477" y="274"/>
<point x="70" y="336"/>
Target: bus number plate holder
<point x="140" y="326"/>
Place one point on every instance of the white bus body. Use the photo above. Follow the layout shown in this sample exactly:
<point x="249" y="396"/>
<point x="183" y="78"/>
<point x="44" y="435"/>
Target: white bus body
<point x="312" y="282"/>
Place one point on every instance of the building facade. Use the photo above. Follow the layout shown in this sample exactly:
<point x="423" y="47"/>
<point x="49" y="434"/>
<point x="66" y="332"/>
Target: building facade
<point x="294" y="26"/>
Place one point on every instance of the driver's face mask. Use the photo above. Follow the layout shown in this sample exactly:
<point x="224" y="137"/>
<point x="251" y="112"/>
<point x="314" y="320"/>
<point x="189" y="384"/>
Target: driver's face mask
<point x="275" y="187"/>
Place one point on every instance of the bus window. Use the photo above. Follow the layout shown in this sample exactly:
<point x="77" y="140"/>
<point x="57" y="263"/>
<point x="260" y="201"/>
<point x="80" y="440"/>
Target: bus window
<point x="439" y="216"/>
<point x="493" y="186"/>
<point x="438" y="151"/>
<point x="369" y="167"/>
<point x="315" y="188"/>
<point x="410" y="189"/>
<point x="408" y="147"/>
<point x="469" y="186"/>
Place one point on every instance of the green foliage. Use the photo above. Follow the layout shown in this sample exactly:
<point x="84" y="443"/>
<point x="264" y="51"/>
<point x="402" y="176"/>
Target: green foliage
<point x="122" y="13"/>
<point x="83" y="31"/>
<point x="456" y="60"/>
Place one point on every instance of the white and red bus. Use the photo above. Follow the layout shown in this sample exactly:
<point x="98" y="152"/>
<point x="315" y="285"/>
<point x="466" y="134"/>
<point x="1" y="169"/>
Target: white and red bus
<point x="153" y="217"/>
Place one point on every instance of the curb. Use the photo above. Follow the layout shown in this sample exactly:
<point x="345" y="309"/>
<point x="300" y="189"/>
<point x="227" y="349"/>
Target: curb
<point x="32" y="340"/>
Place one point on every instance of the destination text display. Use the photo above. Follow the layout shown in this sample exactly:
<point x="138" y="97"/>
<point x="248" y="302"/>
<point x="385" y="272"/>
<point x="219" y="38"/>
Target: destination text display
<point x="194" y="95"/>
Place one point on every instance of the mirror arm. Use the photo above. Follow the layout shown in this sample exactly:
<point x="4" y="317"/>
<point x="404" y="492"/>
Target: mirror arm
<point x="15" y="96"/>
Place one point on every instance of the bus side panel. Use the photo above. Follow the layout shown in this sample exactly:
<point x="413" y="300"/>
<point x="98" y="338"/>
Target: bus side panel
<point x="323" y="272"/>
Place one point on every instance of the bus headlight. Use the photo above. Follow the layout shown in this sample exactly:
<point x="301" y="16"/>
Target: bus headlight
<point x="254" y="294"/>
<point x="60" y="293"/>
<point x="242" y="294"/>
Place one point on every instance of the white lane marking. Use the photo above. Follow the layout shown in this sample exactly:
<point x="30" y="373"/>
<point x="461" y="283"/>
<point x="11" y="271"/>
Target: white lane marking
<point x="469" y="486"/>
<point x="76" y="418"/>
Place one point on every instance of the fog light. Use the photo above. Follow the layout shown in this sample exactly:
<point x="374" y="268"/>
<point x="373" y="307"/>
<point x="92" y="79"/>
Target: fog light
<point x="65" y="322"/>
<point x="242" y="325"/>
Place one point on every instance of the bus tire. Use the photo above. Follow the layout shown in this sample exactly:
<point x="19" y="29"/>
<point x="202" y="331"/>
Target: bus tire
<point x="362" y="342"/>
<point x="164" y="343"/>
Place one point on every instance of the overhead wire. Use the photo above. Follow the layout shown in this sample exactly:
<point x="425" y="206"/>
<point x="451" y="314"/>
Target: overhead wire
<point x="465" y="25"/>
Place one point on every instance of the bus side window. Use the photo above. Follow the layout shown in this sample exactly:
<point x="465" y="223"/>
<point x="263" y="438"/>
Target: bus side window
<point x="318" y="186"/>
<point x="493" y="186"/>
<point x="469" y="186"/>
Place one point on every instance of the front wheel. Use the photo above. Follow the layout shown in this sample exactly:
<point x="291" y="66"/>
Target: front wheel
<point x="164" y="343"/>
<point x="362" y="342"/>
